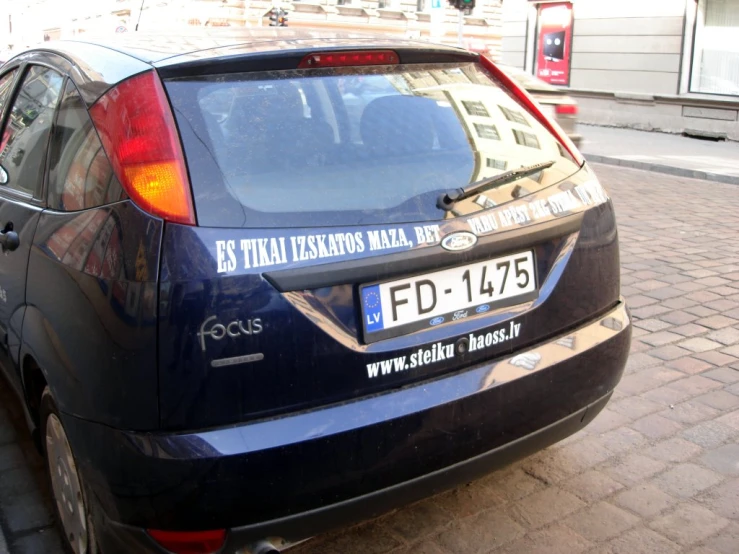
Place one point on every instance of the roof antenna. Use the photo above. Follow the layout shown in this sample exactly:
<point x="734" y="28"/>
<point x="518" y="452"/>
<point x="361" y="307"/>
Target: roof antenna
<point x="141" y="9"/>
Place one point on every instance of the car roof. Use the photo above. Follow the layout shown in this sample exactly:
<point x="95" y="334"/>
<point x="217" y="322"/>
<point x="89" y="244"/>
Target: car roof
<point x="156" y="48"/>
<point x="98" y="63"/>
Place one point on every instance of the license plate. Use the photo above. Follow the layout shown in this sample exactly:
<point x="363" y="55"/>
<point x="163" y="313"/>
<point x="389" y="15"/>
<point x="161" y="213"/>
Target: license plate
<point x="406" y="305"/>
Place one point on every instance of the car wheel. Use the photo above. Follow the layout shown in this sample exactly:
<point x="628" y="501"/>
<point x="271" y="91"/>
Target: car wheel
<point x="70" y="501"/>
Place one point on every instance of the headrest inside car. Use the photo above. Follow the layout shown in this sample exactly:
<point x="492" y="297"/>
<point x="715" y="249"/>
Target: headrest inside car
<point x="397" y="125"/>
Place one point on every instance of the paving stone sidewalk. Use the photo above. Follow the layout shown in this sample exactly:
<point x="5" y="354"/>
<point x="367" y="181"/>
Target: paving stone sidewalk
<point x="656" y="472"/>
<point x="662" y="152"/>
<point x="25" y="507"/>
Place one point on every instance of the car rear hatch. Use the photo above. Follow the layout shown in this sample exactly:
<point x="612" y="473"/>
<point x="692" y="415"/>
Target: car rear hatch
<point x="330" y="259"/>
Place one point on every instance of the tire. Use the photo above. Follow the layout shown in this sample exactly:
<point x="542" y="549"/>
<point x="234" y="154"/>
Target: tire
<point x="71" y="507"/>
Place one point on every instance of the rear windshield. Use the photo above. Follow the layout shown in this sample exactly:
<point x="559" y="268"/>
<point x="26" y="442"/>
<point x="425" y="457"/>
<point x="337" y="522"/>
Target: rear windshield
<point x="353" y="146"/>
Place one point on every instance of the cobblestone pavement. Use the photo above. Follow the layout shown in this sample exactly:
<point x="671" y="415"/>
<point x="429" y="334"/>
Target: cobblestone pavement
<point x="656" y="472"/>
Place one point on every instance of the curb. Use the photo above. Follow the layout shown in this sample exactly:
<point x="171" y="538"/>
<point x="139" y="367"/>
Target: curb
<point x="668" y="169"/>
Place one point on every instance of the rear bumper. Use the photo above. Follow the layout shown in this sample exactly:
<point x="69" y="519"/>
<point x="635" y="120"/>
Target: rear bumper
<point x="123" y="538"/>
<point x="300" y="475"/>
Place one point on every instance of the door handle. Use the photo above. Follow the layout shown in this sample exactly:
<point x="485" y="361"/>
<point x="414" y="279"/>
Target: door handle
<point x="9" y="239"/>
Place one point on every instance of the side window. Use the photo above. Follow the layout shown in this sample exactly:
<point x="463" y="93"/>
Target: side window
<point x="6" y="81"/>
<point x="80" y="175"/>
<point x="26" y="134"/>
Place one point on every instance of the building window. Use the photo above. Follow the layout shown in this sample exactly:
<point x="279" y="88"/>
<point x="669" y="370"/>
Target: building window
<point x="385" y="4"/>
<point x="526" y="139"/>
<point x="420" y="5"/>
<point x="715" y="52"/>
<point x="475" y="108"/>
<point x="515" y="116"/>
<point x="496" y="164"/>
<point x="343" y="2"/>
<point x="487" y="131"/>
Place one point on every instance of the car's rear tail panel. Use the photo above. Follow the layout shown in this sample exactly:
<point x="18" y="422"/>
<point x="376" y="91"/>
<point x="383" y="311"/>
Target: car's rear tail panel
<point x="324" y="269"/>
<point x="286" y="334"/>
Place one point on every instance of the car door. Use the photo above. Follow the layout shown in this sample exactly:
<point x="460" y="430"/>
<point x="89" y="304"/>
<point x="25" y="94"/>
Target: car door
<point x="28" y="117"/>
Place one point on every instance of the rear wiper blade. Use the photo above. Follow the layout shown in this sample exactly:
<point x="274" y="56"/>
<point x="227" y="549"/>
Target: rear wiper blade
<point x="447" y="200"/>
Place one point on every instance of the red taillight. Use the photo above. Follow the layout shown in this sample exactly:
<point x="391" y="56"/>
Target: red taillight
<point x="343" y="59"/>
<point x="525" y="99"/>
<point x="139" y="136"/>
<point x="566" y="109"/>
<point x="190" y="542"/>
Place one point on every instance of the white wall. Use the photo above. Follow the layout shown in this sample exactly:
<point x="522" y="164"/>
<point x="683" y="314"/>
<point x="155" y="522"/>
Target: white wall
<point x="513" y="44"/>
<point x="618" y="46"/>
<point x="627" y="46"/>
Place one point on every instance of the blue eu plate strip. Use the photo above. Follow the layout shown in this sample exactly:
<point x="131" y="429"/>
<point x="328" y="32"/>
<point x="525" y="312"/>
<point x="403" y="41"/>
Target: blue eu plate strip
<point x="372" y="308"/>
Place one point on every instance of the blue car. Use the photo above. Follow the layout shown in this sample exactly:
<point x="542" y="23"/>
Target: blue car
<point x="257" y="288"/>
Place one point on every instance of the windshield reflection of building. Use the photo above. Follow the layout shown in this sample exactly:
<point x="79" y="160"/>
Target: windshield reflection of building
<point x="501" y="134"/>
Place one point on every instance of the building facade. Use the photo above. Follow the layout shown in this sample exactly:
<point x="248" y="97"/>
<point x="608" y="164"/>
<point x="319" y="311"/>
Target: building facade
<point x="670" y="65"/>
<point x="31" y="21"/>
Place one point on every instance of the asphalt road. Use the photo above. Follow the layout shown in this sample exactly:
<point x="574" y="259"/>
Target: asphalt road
<point x="656" y="472"/>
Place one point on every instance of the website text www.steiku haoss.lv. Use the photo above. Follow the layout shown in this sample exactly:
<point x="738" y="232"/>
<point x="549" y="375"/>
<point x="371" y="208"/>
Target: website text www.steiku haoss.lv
<point x="440" y="352"/>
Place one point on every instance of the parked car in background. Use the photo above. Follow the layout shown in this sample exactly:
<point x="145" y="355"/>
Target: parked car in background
<point x="256" y="289"/>
<point x="555" y="102"/>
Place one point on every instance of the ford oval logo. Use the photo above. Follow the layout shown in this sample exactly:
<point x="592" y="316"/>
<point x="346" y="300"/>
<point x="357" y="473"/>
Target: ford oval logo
<point x="437" y="320"/>
<point x="461" y="240"/>
<point x="482" y="309"/>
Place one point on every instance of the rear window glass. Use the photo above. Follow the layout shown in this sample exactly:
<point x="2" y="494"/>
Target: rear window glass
<point x="352" y="146"/>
